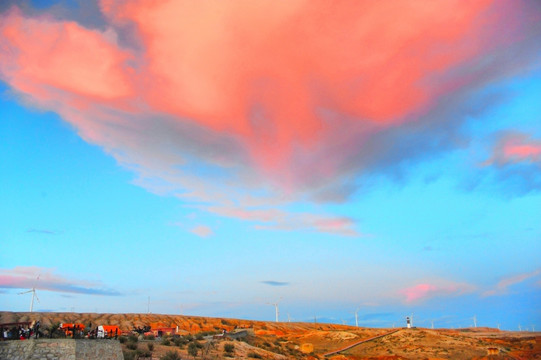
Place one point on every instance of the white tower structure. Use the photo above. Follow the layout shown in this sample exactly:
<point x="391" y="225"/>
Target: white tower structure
<point x="357" y="318"/>
<point x="408" y="322"/>
<point x="34" y="295"/>
<point x="276" y="308"/>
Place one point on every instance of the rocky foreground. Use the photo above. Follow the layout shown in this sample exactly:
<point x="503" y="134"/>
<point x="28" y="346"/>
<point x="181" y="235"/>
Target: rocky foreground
<point x="308" y="340"/>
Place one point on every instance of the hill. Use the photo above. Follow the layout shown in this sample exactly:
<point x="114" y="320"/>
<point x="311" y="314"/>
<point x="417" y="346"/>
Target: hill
<point x="308" y="340"/>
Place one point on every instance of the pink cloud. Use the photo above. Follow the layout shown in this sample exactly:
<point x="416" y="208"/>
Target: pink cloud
<point x="515" y="147"/>
<point x="277" y="219"/>
<point x="291" y="99"/>
<point x="419" y="291"/>
<point x="27" y="277"/>
<point x="202" y="231"/>
<point x="502" y="287"/>
<point x="48" y="56"/>
<point x="425" y="291"/>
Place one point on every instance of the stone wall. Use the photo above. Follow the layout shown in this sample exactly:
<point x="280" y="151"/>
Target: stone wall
<point x="60" y="349"/>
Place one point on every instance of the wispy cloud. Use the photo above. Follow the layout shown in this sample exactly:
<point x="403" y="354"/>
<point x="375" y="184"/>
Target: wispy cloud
<point x="202" y="231"/>
<point x="22" y="277"/>
<point x="502" y="287"/>
<point x="274" y="283"/>
<point x="514" y="164"/>
<point x="515" y="147"/>
<point x="278" y="219"/>
<point x="42" y="231"/>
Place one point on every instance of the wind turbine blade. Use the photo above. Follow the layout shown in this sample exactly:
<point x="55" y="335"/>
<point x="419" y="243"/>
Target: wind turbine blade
<point x="37" y="298"/>
<point x="25" y="292"/>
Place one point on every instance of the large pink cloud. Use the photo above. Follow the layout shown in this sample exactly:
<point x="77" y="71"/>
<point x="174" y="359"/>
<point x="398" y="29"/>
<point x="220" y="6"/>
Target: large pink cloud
<point x="291" y="98"/>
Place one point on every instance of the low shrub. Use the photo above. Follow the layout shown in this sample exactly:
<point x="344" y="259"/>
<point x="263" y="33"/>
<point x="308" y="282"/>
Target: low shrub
<point x="229" y="348"/>
<point x="180" y="341"/>
<point x="131" y="345"/>
<point x="171" y="355"/>
<point x="143" y="353"/>
<point x="129" y="355"/>
<point x="166" y="342"/>
<point x="122" y="339"/>
<point x="193" y="349"/>
<point x="254" y="355"/>
<point x="133" y="338"/>
<point x="150" y="346"/>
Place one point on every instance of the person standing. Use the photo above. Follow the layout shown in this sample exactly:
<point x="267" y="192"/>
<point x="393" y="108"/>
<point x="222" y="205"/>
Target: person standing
<point x="36" y="329"/>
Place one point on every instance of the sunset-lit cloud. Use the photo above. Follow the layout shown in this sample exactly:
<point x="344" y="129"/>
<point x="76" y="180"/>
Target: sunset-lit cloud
<point x="277" y="219"/>
<point x="502" y="287"/>
<point x="291" y="101"/>
<point x="202" y="231"/>
<point x="516" y="147"/>
<point x="28" y="277"/>
<point x="424" y="291"/>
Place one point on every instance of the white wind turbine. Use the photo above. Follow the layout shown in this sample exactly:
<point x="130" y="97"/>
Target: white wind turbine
<point x="34" y="295"/>
<point x="276" y="308"/>
<point x="357" y="317"/>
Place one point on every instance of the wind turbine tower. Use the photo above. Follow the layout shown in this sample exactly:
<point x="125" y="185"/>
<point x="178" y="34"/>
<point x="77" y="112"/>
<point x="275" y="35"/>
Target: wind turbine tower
<point x="475" y="321"/>
<point x="34" y="295"/>
<point x="357" y="318"/>
<point x="276" y="308"/>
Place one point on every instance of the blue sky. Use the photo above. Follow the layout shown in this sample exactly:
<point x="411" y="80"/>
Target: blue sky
<point x="432" y="209"/>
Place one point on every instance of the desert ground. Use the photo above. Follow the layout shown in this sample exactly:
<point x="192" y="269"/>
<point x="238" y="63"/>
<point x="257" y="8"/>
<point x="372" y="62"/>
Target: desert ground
<point x="284" y="340"/>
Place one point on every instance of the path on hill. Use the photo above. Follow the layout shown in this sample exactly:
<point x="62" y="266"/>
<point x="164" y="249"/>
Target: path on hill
<point x="361" y="342"/>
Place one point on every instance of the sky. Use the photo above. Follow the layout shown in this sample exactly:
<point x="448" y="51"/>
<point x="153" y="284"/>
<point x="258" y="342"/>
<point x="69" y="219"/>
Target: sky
<point x="214" y="158"/>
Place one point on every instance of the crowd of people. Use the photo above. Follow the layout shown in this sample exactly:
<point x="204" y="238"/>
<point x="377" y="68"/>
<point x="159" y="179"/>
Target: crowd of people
<point x="20" y="331"/>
